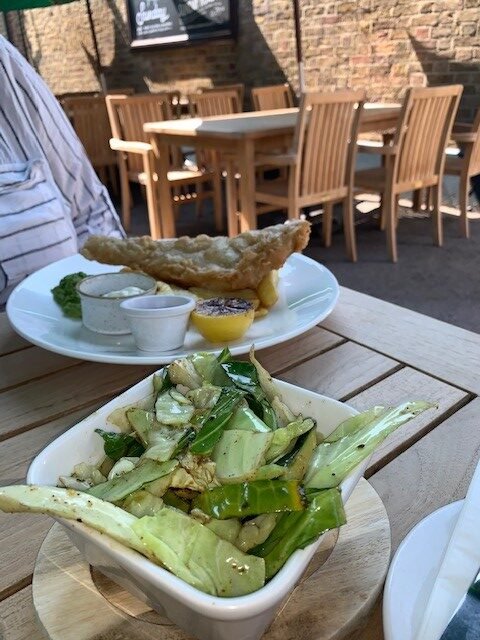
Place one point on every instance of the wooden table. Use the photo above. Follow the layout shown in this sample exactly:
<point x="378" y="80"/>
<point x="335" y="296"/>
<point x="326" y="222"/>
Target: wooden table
<point x="367" y="352"/>
<point x="239" y="135"/>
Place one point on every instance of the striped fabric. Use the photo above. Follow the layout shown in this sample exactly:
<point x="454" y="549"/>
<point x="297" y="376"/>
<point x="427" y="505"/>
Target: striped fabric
<point x="47" y="184"/>
<point x="35" y="228"/>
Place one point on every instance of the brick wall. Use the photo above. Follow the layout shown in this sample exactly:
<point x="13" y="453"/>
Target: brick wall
<point x="380" y="45"/>
<point x="383" y="45"/>
<point x="61" y="49"/>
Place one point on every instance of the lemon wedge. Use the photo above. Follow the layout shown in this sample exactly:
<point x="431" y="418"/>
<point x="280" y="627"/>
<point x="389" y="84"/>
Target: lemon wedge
<point x="223" y="319"/>
<point x="267" y="290"/>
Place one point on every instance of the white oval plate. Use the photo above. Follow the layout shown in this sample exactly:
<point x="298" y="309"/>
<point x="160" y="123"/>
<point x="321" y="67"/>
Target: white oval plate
<point x="413" y="571"/>
<point x="308" y="293"/>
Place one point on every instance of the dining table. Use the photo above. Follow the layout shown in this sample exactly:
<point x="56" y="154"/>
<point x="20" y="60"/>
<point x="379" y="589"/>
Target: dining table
<point x="240" y="136"/>
<point x="367" y="352"/>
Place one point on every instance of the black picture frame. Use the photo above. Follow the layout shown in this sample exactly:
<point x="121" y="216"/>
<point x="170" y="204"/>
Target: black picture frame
<point x="175" y="23"/>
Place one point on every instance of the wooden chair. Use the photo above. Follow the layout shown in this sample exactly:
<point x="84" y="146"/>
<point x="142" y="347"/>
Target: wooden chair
<point x="221" y="102"/>
<point x="468" y="137"/>
<point x="321" y="162"/>
<point x="415" y="159"/>
<point x="239" y="88"/>
<point x="174" y="99"/>
<point x="214" y="103"/>
<point x="137" y="160"/>
<point x="277" y="96"/>
<point x="89" y="117"/>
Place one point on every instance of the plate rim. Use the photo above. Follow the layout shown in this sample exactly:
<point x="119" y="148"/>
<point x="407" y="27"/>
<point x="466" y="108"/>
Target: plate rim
<point x="455" y="507"/>
<point x="160" y="359"/>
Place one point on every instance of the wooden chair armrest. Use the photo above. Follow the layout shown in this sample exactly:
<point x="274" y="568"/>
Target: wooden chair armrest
<point x="385" y="150"/>
<point x="130" y="147"/>
<point x="276" y="159"/>
<point x="468" y="136"/>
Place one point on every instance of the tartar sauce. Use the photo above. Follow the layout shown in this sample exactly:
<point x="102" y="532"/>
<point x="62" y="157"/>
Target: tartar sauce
<point x="124" y="293"/>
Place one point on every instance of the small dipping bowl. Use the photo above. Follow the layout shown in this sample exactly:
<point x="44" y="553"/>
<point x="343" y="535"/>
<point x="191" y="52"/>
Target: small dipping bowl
<point x="158" y="323"/>
<point x="104" y="315"/>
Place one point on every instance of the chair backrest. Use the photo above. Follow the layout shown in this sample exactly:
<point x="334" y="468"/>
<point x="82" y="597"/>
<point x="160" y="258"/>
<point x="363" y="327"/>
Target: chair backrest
<point x="422" y="135"/>
<point x="278" y="96"/>
<point x="325" y="141"/>
<point x="174" y="98"/>
<point x="214" y="103"/>
<point x="128" y="114"/>
<point x="89" y="118"/>
<point x="472" y="152"/>
<point x="239" y="88"/>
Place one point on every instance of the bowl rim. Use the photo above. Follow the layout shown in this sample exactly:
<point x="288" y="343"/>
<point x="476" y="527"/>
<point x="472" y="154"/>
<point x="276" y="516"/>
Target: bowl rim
<point x="115" y="273"/>
<point x="134" y="563"/>
<point x="129" y="305"/>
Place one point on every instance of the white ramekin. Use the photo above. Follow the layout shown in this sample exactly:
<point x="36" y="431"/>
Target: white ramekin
<point x="199" y="614"/>
<point x="103" y="315"/>
<point x="158" y="323"/>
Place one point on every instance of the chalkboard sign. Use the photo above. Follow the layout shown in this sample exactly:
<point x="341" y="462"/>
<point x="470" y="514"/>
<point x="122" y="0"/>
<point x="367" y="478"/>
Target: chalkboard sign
<point x="175" y="22"/>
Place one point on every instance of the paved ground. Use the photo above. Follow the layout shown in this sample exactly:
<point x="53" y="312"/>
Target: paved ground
<point x="443" y="283"/>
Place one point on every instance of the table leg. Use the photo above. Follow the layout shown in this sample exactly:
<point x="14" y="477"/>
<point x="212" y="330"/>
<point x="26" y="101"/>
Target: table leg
<point x="165" y="213"/>
<point x="418" y="199"/>
<point x="152" y="197"/>
<point x="387" y="139"/>
<point x="232" y="199"/>
<point x="248" y="217"/>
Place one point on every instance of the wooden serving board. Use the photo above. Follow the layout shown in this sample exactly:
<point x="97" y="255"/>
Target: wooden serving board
<point x="332" y="601"/>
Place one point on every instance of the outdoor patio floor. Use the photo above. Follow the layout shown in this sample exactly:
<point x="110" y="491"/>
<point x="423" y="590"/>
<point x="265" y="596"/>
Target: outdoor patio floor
<point x="440" y="282"/>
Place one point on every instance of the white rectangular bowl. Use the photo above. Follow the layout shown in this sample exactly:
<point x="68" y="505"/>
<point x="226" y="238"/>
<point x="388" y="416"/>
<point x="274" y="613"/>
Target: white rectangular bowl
<point x="204" y="616"/>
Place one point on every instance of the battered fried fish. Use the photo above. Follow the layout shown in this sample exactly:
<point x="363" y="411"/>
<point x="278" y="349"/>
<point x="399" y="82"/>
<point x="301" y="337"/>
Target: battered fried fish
<point x="219" y="263"/>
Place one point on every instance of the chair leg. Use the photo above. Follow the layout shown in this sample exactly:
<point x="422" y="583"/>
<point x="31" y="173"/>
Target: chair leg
<point x="112" y="178"/>
<point x="418" y="200"/>
<point x="327" y="224"/>
<point x="349" y="228"/>
<point x="232" y="201"/>
<point x="151" y="194"/>
<point x="464" y="189"/>
<point x="437" y="216"/>
<point x="390" y="204"/>
<point x="429" y="199"/>
<point x="200" y="187"/>
<point x="126" y="201"/>
<point x="382" y="222"/>
<point x="217" y="200"/>
<point x="293" y="209"/>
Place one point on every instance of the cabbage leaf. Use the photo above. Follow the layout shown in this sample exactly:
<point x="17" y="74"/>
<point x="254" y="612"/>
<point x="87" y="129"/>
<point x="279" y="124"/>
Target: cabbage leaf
<point x="196" y="554"/>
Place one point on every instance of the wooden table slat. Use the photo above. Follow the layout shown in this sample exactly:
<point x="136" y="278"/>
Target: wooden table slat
<point x="19" y="451"/>
<point x="17" y="617"/>
<point x="440" y="349"/>
<point x="295" y="351"/>
<point x="18" y="549"/>
<point x="57" y="394"/>
<point x="341" y="372"/>
<point x="27" y="364"/>
<point x="22" y="535"/>
<point x="404" y="386"/>
<point x="9" y="340"/>
<point x="435" y="472"/>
